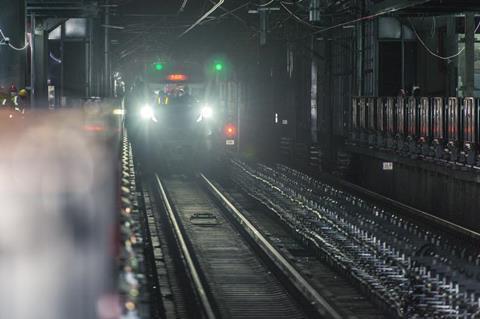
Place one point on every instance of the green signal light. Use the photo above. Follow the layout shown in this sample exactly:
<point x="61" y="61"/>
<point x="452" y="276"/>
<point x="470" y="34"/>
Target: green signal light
<point x="218" y="67"/>
<point x="158" y="66"/>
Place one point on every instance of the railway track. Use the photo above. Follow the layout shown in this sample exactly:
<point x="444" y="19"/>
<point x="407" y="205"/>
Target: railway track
<point x="340" y="293"/>
<point x="235" y="270"/>
<point x="416" y="270"/>
<point x="270" y="243"/>
<point x="228" y="278"/>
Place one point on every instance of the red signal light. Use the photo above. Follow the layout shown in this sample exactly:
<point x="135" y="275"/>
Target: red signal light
<point x="230" y="130"/>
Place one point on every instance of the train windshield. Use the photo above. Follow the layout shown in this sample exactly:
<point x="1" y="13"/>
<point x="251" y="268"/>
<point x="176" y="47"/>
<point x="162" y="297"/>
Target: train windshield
<point x="178" y="95"/>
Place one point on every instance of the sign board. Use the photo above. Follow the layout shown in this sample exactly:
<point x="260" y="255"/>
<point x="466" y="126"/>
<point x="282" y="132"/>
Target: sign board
<point x="387" y="166"/>
<point x="230" y="142"/>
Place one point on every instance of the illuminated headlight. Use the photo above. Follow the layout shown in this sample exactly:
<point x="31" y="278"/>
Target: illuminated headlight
<point x="146" y="112"/>
<point x="207" y="112"/>
<point x="118" y="112"/>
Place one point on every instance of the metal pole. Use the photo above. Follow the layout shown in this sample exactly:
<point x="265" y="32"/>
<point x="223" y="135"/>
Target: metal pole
<point x="314" y="96"/>
<point x="360" y="33"/>
<point x="469" y="54"/>
<point x="87" y="64"/>
<point x="263" y="27"/>
<point x="329" y="101"/>
<point x="240" y="95"/>
<point x="32" y="62"/>
<point x="62" y="58"/>
<point x="90" y="57"/>
<point x="403" y="56"/>
<point x="107" y="50"/>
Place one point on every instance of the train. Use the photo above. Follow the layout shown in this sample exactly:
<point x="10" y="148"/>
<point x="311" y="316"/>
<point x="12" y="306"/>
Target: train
<point x="436" y="128"/>
<point x="179" y="117"/>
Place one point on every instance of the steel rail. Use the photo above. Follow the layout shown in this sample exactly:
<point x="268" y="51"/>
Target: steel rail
<point x="322" y="305"/>
<point x="197" y="282"/>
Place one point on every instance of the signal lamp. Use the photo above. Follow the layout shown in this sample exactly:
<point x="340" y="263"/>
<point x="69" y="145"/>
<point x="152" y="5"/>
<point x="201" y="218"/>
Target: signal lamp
<point x="218" y="66"/>
<point x="230" y="130"/>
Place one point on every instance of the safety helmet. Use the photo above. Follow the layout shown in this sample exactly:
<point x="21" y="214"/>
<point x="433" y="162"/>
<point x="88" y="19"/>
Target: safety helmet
<point x="23" y="93"/>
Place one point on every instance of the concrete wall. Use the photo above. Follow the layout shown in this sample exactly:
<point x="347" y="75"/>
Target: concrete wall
<point x="12" y="63"/>
<point x="448" y="193"/>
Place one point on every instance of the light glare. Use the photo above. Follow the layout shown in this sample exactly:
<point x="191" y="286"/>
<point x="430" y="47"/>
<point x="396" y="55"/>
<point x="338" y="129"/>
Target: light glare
<point x="146" y="112"/>
<point x="207" y="112"/>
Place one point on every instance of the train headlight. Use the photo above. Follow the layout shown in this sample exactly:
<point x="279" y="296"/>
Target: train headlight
<point x="206" y="112"/>
<point x="146" y="112"/>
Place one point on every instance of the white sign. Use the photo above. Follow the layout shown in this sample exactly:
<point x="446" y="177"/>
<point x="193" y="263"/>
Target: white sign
<point x="387" y="166"/>
<point x="230" y="142"/>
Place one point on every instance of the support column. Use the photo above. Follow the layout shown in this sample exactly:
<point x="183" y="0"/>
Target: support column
<point x="86" y="43"/>
<point x="402" y="43"/>
<point x="263" y="23"/>
<point x="469" y="54"/>
<point x="39" y="65"/>
<point x="62" y="66"/>
<point x="331" y="155"/>
<point x="12" y="62"/>
<point x="452" y="47"/>
<point x="90" y="59"/>
<point x="314" y="95"/>
<point x="107" y="50"/>
<point x="360" y="45"/>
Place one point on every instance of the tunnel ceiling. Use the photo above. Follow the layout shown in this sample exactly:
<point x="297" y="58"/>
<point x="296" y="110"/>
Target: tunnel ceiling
<point x="429" y="7"/>
<point x="152" y="27"/>
<point x="146" y="29"/>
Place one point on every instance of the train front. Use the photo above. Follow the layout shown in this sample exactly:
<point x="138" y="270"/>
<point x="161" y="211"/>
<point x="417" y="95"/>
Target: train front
<point x="171" y="120"/>
<point x="182" y="121"/>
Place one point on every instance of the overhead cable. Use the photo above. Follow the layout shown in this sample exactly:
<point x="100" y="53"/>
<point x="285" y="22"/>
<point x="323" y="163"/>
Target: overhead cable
<point x="297" y="17"/>
<point x="370" y="17"/>
<point x="433" y="53"/>
<point x="215" y="7"/>
<point x="232" y="12"/>
<point x="266" y="4"/>
<point x="6" y="40"/>
<point x="295" y="2"/>
<point x="182" y="7"/>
